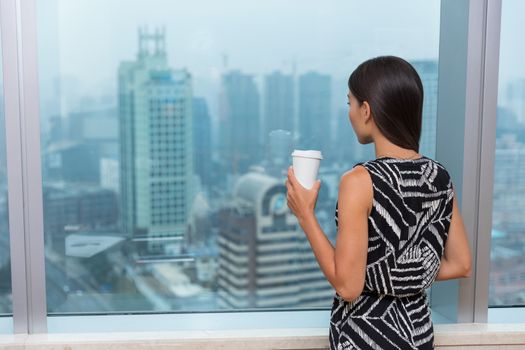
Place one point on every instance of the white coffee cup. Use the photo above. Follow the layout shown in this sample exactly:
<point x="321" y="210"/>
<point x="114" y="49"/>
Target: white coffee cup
<point x="306" y="166"/>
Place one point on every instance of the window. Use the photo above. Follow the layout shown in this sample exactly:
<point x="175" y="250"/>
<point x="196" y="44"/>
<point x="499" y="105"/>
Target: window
<point x="507" y="287"/>
<point x="165" y="139"/>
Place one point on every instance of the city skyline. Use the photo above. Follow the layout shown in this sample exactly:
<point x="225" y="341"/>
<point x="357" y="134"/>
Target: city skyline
<point x="291" y="106"/>
<point x="209" y="47"/>
<point x="83" y="200"/>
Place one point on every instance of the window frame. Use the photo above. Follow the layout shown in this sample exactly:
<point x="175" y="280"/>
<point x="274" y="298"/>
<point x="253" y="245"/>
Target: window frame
<point x="464" y="56"/>
<point x="467" y="104"/>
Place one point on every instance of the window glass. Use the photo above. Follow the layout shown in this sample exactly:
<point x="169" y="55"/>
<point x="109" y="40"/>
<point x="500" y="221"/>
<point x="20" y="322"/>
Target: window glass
<point x="6" y="306"/>
<point x="507" y="274"/>
<point x="167" y="130"/>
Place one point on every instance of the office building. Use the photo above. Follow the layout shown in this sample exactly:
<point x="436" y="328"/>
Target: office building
<point x="156" y="147"/>
<point x="265" y="260"/>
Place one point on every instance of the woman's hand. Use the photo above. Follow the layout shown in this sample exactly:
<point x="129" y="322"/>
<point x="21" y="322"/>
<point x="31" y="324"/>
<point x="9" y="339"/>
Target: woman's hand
<point x="301" y="201"/>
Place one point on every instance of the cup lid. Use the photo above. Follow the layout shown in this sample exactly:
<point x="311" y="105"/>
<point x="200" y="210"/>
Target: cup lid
<point x="307" y="154"/>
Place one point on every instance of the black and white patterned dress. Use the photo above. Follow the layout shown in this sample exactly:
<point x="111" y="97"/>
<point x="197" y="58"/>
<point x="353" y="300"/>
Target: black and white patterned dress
<point x="407" y="230"/>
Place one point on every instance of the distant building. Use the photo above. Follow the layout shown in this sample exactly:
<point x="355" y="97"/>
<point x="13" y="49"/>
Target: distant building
<point x="428" y="72"/>
<point x="76" y="208"/>
<point x="97" y="128"/>
<point x="264" y="258"/>
<point x="90" y="259"/>
<point x="279" y="150"/>
<point x="315" y="115"/>
<point x="199" y="227"/>
<point x="507" y="272"/>
<point x="515" y="98"/>
<point x="240" y="122"/>
<point x="61" y="163"/>
<point x="347" y="148"/>
<point x="109" y="174"/>
<point x="202" y="141"/>
<point x="83" y="206"/>
<point x="156" y="147"/>
<point x="509" y="186"/>
<point x="90" y="136"/>
<point x="278" y="103"/>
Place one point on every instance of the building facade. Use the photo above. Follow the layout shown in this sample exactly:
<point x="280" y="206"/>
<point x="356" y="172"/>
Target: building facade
<point x="315" y="115"/>
<point x="240" y="122"/>
<point x="156" y="155"/>
<point x="265" y="260"/>
<point x="278" y="103"/>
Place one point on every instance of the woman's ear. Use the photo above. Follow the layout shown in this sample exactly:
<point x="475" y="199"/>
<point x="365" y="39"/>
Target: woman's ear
<point x="365" y="111"/>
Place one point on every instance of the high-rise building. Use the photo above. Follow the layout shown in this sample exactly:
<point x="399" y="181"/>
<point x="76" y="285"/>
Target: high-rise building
<point x="264" y="258"/>
<point x="61" y="163"/>
<point x="76" y="208"/>
<point x="156" y="147"/>
<point x="90" y="136"/>
<point x="278" y="103"/>
<point x="109" y="174"/>
<point x="85" y="207"/>
<point x="515" y="98"/>
<point x="509" y="185"/>
<point x="279" y="150"/>
<point x="240" y="144"/>
<point x="97" y="128"/>
<point x="428" y="72"/>
<point x="202" y="141"/>
<point x="507" y="284"/>
<point x="314" y="111"/>
<point x="347" y="146"/>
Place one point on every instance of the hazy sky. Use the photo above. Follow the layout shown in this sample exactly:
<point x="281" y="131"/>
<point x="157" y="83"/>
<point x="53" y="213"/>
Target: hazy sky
<point x="89" y="38"/>
<point x="83" y="41"/>
<point x="512" y="50"/>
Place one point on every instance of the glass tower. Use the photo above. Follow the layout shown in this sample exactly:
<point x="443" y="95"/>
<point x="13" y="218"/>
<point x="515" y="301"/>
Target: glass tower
<point x="156" y="165"/>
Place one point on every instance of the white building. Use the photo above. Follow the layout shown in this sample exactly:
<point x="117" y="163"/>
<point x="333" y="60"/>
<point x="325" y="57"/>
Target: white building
<point x="265" y="260"/>
<point x="156" y="156"/>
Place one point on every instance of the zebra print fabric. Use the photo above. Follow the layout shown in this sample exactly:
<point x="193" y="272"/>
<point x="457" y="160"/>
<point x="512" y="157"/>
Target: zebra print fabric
<point x="407" y="231"/>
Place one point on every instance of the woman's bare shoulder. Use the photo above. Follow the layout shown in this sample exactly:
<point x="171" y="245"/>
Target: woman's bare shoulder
<point x="356" y="186"/>
<point x="356" y="176"/>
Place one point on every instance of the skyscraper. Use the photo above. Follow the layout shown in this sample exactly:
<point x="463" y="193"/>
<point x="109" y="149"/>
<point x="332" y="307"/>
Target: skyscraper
<point x="507" y="254"/>
<point x="264" y="258"/>
<point x="240" y="122"/>
<point x="278" y="103"/>
<point x="347" y="146"/>
<point x="279" y="149"/>
<point x="314" y="111"/>
<point x="202" y="140"/>
<point x="515" y="98"/>
<point x="428" y="72"/>
<point x="156" y="147"/>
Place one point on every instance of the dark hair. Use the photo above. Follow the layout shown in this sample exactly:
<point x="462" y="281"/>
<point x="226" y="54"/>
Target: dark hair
<point x="394" y="91"/>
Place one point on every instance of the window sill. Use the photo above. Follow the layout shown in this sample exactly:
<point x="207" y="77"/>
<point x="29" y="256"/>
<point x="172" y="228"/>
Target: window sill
<point x="450" y="336"/>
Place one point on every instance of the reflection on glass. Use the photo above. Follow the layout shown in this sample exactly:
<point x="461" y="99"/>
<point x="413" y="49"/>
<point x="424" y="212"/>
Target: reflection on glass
<point x="164" y="151"/>
<point x="507" y="275"/>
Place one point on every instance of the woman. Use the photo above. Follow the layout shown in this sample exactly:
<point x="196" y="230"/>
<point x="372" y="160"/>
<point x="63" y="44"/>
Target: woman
<point x="399" y="226"/>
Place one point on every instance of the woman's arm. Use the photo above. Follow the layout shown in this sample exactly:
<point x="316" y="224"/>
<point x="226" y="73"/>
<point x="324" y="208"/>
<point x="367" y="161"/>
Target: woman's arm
<point x="456" y="259"/>
<point x="345" y="265"/>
